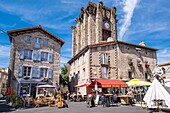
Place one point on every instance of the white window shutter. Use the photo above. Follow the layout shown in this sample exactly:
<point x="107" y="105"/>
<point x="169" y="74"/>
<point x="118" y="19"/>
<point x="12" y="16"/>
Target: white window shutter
<point x="49" y="73"/>
<point x="50" y="57"/>
<point x="21" y="53"/>
<point x="20" y="71"/>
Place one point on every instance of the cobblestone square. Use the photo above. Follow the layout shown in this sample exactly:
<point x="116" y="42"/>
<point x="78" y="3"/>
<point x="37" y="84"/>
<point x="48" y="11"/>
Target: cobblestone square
<point x="79" y="107"/>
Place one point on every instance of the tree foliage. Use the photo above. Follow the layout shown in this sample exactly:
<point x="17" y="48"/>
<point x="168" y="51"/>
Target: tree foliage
<point x="64" y="76"/>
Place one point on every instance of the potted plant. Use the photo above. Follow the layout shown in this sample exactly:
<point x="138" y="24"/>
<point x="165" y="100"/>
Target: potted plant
<point x="14" y="99"/>
<point x="130" y="62"/>
<point x="139" y="64"/>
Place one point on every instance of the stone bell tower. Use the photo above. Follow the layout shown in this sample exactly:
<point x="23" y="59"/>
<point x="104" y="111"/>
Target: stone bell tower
<point x="95" y="24"/>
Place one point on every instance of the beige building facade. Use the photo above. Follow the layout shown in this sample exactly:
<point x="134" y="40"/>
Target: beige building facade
<point x="3" y="80"/>
<point x="166" y="69"/>
<point x="101" y="55"/>
<point x="34" y="59"/>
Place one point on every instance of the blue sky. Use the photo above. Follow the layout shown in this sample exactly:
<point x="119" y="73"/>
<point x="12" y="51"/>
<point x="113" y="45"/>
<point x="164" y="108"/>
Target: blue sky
<point x="138" y="20"/>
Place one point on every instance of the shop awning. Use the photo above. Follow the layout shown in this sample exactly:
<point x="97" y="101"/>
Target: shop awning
<point x="82" y="85"/>
<point x="104" y="83"/>
<point x="45" y="86"/>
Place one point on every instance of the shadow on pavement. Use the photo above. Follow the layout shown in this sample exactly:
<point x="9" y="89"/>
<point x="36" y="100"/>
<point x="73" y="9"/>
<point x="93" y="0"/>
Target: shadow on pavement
<point x="6" y="108"/>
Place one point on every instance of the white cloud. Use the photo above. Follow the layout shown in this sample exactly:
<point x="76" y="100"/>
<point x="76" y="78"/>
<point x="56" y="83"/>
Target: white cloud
<point x="164" y="55"/>
<point x="4" y="51"/>
<point x="128" y="9"/>
<point x="67" y="50"/>
<point x="44" y="15"/>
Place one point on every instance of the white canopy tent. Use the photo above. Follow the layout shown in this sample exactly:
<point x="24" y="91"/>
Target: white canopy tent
<point x="156" y="91"/>
<point x="46" y="86"/>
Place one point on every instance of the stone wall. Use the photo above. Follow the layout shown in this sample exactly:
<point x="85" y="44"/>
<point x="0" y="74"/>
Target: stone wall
<point x="89" y="25"/>
<point x="126" y="52"/>
<point x="20" y="42"/>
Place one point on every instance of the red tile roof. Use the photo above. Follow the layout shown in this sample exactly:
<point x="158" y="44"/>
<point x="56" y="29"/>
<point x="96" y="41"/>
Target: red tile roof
<point x="33" y="28"/>
<point x="164" y="64"/>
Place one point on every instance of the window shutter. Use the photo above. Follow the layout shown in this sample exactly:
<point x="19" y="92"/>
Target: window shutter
<point x="20" y="71"/>
<point x="21" y="53"/>
<point x="38" y="72"/>
<point x="34" y="55"/>
<point x="37" y="42"/>
<point x="102" y="58"/>
<point x="49" y="72"/>
<point x="38" y="55"/>
<point x="50" y="57"/>
<point x="33" y="72"/>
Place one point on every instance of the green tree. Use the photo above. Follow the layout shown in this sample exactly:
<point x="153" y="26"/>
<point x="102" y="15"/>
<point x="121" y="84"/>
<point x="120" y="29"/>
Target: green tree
<point x="64" y="76"/>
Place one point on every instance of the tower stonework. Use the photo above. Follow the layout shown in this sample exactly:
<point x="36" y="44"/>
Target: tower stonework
<point x="95" y="24"/>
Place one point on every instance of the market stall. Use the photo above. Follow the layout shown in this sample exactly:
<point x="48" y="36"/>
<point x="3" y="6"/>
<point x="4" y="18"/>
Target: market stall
<point x="44" y="94"/>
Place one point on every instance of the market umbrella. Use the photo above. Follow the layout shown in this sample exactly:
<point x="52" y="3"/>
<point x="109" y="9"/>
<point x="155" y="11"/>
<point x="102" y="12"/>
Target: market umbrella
<point x="156" y="92"/>
<point x="137" y="82"/>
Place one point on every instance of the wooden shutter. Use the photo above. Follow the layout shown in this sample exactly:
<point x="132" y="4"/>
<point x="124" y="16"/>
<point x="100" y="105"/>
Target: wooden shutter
<point x="102" y="58"/>
<point x="49" y="73"/>
<point x="20" y="71"/>
<point x="50" y="57"/>
<point x="21" y="53"/>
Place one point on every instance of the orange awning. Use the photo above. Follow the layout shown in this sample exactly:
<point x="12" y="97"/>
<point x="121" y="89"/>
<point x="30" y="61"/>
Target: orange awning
<point x="104" y="83"/>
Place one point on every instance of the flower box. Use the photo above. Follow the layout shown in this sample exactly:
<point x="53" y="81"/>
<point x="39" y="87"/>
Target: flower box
<point x="130" y="63"/>
<point x="147" y="65"/>
<point x="139" y="65"/>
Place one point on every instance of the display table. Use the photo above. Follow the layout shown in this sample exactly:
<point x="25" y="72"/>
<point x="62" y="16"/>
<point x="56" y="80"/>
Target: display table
<point x="124" y="99"/>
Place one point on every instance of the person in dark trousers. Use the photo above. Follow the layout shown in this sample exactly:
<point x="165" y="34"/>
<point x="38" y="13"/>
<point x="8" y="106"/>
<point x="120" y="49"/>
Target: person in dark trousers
<point x="104" y="101"/>
<point x="130" y="93"/>
<point x="22" y="99"/>
<point x="92" y="102"/>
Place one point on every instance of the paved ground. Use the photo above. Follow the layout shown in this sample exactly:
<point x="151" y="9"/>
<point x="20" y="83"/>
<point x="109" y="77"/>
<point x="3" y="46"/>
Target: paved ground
<point x="76" y="107"/>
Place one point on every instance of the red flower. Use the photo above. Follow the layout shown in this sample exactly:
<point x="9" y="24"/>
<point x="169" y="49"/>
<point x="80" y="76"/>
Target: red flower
<point x="147" y="65"/>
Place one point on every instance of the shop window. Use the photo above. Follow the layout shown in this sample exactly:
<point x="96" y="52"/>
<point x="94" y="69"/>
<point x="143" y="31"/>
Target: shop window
<point x="25" y="89"/>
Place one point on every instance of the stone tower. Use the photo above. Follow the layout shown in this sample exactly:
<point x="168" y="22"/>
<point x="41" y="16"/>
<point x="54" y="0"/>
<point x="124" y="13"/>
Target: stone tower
<point x="95" y="24"/>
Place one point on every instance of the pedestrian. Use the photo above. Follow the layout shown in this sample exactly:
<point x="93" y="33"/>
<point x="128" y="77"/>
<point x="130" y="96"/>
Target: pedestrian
<point x="130" y="93"/>
<point x="104" y="100"/>
<point x="22" y="99"/>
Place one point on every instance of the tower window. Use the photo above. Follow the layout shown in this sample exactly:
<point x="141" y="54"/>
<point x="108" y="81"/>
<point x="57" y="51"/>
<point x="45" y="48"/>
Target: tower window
<point x="106" y="34"/>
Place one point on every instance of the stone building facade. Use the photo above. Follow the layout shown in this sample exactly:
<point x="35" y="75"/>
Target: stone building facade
<point x="166" y="69"/>
<point x="34" y="59"/>
<point x="95" y="24"/>
<point x="102" y="56"/>
<point x="3" y="80"/>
